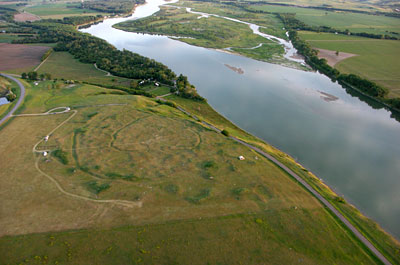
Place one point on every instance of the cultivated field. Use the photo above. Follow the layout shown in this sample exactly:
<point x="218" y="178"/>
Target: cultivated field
<point x="150" y="185"/>
<point x="354" y="22"/>
<point x="23" y="17"/>
<point x="14" y="56"/>
<point x="376" y="60"/>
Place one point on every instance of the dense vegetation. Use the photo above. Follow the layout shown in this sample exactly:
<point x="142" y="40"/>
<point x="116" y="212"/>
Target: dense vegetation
<point x="111" y="6"/>
<point x="89" y="49"/>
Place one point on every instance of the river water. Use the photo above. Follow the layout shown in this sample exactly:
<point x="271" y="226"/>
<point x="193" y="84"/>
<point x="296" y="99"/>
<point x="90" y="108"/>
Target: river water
<point x="354" y="148"/>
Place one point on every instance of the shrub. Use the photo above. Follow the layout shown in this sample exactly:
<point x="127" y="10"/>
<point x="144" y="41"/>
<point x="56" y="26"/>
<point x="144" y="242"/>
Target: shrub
<point x="61" y="155"/>
<point x="225" y="132"/>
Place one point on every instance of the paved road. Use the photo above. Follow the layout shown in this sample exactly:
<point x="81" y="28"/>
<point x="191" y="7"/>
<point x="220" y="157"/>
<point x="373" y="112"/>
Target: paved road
<point x="20" y="99"/>
<point x="302" y="182"/>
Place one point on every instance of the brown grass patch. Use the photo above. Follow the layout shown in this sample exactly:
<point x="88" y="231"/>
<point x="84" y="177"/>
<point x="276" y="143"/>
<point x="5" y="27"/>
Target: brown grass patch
<point x="15" y="56"/>
<point x="22" y="17"/>
<point x="331" y="56"/>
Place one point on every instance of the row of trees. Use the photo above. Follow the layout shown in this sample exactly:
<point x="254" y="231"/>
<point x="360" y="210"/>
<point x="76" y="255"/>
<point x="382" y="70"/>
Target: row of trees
<point x="89" y="49"/>
<point x="111" y="6"/>
<point x="35" y="76"/>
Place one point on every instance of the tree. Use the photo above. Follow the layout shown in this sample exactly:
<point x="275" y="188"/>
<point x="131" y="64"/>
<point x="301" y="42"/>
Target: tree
<point x="32" y="75"/>
<point x="11" y="96"/>
<point x="337" y="53"/>
<point x="24" y="75"/>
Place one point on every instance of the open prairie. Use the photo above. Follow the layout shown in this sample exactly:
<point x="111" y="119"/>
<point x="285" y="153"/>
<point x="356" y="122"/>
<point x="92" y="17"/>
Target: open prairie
<point x="148" y="189"/>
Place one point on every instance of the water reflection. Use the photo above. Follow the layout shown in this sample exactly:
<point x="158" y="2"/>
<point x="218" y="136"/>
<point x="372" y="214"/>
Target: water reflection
<point x="354" y="148"/>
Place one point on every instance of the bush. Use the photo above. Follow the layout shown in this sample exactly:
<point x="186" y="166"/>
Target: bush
<point x="61" y="155"/>
<point x="225" y="132"/>
<point x="96" y="188"/>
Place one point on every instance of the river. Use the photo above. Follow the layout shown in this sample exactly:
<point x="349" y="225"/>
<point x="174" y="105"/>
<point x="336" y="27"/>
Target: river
<point x="352" y="147"/>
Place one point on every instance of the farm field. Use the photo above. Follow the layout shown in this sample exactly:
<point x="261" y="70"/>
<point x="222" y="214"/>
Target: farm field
<point x="372" y="5"/>
<point x="149" y="208"/>
<point x="17" y="56"/>
<point x="59" y="10"/>
<point x="376" y="60"/>
<point x="354" y="22"/>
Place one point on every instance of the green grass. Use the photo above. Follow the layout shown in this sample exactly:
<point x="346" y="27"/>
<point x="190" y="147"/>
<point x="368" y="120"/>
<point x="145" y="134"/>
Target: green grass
<point x="8" y="38"/>
<point x="383" y="241"/>
<point x="354" y="22"/>
<point x="368" y="6"/>
<point x="4" y="109"/>
<point x="209" y="32"/>
<point x="377" y="60"/>
<point x="63" y="65"/>
<point x="58" y="9"/>
<point x="185" y="217"/>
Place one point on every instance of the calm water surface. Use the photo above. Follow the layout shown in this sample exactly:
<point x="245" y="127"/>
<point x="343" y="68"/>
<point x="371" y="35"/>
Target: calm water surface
<point x="355" y="149"/>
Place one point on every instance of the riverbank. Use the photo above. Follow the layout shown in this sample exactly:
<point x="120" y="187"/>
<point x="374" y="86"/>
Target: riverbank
<point x="265" y="145"/>
<point x="368" y="224"/>
<point x="217" y="32"/>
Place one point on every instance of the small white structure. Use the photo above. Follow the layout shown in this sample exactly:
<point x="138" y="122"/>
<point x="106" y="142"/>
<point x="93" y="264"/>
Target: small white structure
<point x="68" y="109"/>
<point x="44" y="153"/>
<point x="241" y="157"/>
<point x="46" y="138"/>
<point x="157" y="84"/>
<point x="36" y="83"/>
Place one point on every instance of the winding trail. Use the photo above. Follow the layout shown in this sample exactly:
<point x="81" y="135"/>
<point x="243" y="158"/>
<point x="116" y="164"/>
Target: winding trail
<point x="20" y="99"/>
<point x="326" y="203"/>
<point x="64" y="110"/>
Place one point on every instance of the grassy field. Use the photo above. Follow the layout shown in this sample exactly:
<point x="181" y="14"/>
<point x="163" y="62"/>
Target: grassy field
<point x="58" y="10"/>
<point x="192" y="200"/>
<point x="8" y="38"/>
<point x="63" y="65"/>
<point x="369" y="228"/>
<point x="272" y="24"/>
<point x="211" y="32"/>
<point x="377" y="60"/>
<point x="354" y="22"/>
<point x="368" y="6"/>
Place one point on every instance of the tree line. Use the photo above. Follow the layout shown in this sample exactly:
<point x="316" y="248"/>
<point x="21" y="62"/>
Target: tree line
<point x="90" y="49"/>
<point x="347" y="80"/>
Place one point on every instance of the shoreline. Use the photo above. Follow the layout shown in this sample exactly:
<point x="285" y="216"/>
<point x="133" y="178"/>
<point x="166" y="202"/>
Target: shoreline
<point x="300" y="166"/>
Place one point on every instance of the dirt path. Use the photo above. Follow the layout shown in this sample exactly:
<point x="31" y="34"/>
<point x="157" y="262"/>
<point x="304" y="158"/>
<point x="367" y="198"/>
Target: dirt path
<point x="327" y="204"/>
<point x="64" y="110"/>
